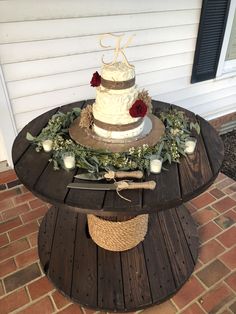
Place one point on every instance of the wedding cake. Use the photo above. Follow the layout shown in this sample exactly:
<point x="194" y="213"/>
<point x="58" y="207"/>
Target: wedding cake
<point x="115" y="97"/>
<point x="120" y="117"/>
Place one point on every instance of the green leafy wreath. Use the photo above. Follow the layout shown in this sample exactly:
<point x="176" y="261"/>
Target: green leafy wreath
<point x="170" y="148"/>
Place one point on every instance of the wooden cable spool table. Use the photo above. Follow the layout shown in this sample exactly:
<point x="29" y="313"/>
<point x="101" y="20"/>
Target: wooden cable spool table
<point x="125" y="281"/>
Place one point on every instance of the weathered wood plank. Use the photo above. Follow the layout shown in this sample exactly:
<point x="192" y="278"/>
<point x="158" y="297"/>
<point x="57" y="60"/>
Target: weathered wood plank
<point x="53" y="184"/>
<point x="31" y="165"/>
<point x="159" y="106"/>
<point x="137" y="292"/>
<point x="189" y="229"/>
<point x="194" y="169"/>
<point x="21" y="144"/>
<point x="62" y="256"/>
<point x="158" y="264"/>
<point x="110" y="282"/>
<point x="84" y="281"/>
<point x="45" y="238"/>
<point x="167" y="191"/>
<point x="178" y="251"/>
<point x="213" y="144"/>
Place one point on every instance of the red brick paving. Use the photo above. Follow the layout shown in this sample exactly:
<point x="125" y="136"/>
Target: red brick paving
<point x="224" y="204"/>
<point x="202" y="200"/>
<point x="228" y="237"/>
<point x="210" y="250"/>
<point x="214" y="299"/>
<point x="214" y="211"/>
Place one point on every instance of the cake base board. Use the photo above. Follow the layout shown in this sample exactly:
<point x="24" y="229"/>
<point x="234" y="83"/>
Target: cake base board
<point x="89" y="139"/>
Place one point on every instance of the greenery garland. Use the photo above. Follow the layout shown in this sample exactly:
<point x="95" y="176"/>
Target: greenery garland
<point x="170" y="148"/>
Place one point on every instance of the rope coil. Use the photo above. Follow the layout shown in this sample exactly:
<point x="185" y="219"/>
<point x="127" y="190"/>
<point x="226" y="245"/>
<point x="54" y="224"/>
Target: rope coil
<point x="117" y="235"/>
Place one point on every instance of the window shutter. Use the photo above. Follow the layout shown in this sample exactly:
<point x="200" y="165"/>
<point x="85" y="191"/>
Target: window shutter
<point x="210" y="37"/>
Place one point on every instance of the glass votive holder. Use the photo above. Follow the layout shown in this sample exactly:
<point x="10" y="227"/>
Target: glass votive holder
<point x="155" y="164"/>
<point x="47" y="145"/>
<point x="190" y="144"/>
<point x="69" y="160"/>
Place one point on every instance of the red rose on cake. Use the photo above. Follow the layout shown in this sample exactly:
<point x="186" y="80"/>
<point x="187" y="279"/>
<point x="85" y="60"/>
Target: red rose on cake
<point x="96" y="79"/>
<point x="138" y="109"/>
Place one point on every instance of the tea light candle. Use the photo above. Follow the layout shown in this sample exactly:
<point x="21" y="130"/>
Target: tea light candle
<point x="155" y="164"/>
<point x="47" y="145"/>
<point x="69" y="161"/>
<point x="190" y="145"/>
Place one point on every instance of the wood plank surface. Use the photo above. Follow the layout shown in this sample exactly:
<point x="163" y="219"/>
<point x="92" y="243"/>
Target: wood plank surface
<point x="85" y="199"/>
<point x="180" y="183"/>
<point x="34" y="127"/>
<point x="118" y="281"/>
<point x="31" y="165"/>
<point x="178" y="251"/>
<point x="135" y="278"/>
<point x="110" y="282"/>
<point x="53" y="184"/>
<point x="194" y="170"/>
<point x="157" y="260"/>
<point x="214" y="145"/>
<point x="189" y="229"/>
<point x="62" y="256"/>
<point x="84" y="279"/>
<point x="45" y="239"/>
<point x="167" y="191"/>
<point x="159" y="106"/>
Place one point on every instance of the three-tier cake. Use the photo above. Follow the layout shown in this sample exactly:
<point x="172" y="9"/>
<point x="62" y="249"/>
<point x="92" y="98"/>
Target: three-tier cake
<point x="120" y="116"/>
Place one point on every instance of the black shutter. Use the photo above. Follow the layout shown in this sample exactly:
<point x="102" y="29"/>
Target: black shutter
<point x="211" y="31"/>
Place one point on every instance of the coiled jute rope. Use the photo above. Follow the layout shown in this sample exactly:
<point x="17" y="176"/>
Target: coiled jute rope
<point x="117" y="235"/>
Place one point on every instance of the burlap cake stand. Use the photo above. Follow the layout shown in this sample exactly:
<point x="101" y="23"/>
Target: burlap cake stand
<point x="126" y="234"/>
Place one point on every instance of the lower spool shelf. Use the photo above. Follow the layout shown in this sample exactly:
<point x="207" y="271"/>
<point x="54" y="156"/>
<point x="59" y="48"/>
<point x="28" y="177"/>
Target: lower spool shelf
<point x="125" y="281"/>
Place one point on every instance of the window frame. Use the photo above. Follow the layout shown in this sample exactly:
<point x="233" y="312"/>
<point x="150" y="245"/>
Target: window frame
<point x="227" y="68"/>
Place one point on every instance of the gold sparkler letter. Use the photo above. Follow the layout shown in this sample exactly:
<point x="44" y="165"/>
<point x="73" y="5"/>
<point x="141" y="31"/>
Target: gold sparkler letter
<point x="118" y="49"/>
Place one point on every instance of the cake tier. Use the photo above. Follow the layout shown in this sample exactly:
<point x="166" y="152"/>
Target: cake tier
<point x="118" y="71"/>
<point x="118" y="134"/>
<point x="112" y="106"/>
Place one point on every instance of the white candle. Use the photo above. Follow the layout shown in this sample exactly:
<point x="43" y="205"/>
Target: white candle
<point x="190" y="145"/>
<point x="69" y="162"/>
<point x="47" y="145"/>
<point x="156" y="164"/>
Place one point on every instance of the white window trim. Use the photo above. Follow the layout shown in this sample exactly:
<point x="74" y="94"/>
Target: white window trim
<point x="7" y="122"/>
<point x="227" y="68"/>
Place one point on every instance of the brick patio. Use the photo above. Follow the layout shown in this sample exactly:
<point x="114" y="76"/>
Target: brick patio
<point x="24" y="288"/>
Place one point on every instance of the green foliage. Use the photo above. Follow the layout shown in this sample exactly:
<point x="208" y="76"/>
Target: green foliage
<point x="170" y="148"/>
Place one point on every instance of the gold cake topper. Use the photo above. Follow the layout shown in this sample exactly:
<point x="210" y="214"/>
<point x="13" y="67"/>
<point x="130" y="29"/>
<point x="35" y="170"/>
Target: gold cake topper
<point x="118" y="50"/>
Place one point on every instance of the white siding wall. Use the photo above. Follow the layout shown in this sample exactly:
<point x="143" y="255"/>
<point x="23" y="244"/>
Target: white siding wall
<point x="49" y="50"/>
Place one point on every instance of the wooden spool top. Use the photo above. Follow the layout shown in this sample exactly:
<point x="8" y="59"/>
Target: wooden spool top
<point x="179" y="184"/>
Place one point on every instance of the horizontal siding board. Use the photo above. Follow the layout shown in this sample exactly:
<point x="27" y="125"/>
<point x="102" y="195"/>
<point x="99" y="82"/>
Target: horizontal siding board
<point x="216" y="109"/>
<point x="207" y="97"/>
<point x="27" y="51"/>
<point x="197" y="89"/>
<point x="24" y="88"/>
<point x="68" y="95"/>
<point x="52" y="99"/>
<point x="30" y="69"/>
<point x="49" y="49"/>
<point x="61" y="28"/>
<point x="27" y="10"/>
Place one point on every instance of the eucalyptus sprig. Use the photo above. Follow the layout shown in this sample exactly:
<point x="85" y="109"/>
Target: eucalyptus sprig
<point x="170" y="147"/>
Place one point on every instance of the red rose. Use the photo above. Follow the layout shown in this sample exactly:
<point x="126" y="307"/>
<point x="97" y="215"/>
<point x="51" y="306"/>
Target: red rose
<point x="96" y="79"/>
<point x="138" y="109"/>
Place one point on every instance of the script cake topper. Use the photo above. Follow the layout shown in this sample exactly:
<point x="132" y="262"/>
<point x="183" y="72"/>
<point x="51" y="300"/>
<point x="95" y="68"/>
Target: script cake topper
<point x="119" y="50"/>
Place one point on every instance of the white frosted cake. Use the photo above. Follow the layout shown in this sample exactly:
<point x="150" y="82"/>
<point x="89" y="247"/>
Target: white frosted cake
<point x="115" y="96"/>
